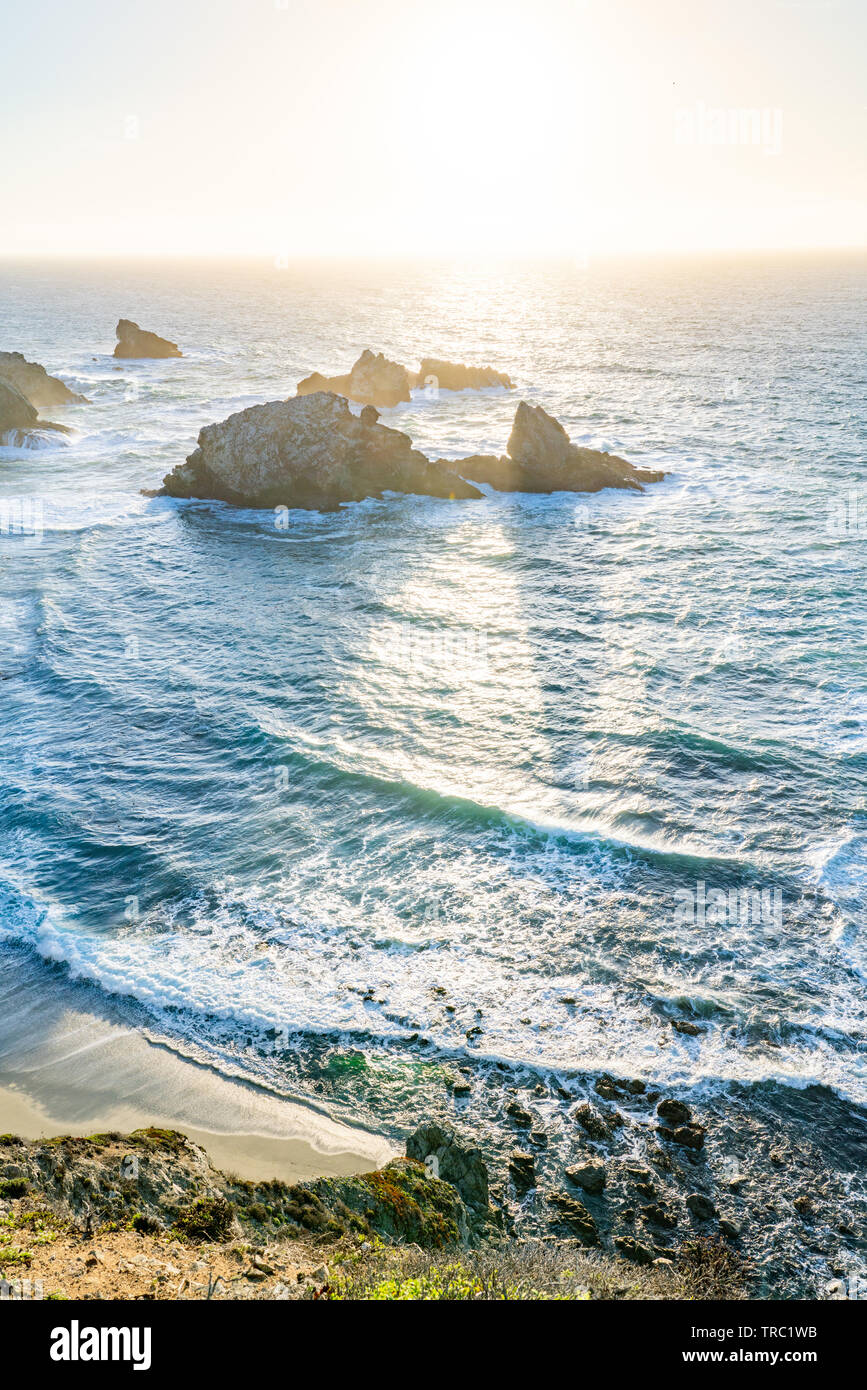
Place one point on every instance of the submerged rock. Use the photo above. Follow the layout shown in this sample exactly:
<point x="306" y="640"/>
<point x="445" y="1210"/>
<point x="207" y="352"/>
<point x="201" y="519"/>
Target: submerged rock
<point x="374" y="380"/>
<point x="308" y="451"/>
<point x="33" y="381"/>
<point x="701" y="1206"/>
<point x="456" y="376"/>
<point x="542" y="458"/>
<point x="138" y="342"/>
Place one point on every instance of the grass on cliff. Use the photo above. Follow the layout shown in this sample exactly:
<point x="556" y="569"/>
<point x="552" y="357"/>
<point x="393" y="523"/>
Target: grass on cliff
<point x="534" y="1271"/>
<point x="538" y="1270"/>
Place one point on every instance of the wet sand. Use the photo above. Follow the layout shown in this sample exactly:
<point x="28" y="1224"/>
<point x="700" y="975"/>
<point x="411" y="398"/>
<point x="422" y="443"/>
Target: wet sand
<point x="65" y="1070"/>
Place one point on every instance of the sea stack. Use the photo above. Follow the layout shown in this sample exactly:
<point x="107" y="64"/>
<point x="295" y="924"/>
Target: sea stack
<point x="138" y="342"/>
<point x="308" y="451"/>
<point x="18" y="417"/>
<point x="33" y="381"/>
<point x="374" y="380"/>
<point x="541" y="458"/>
<point x="456" y="376"/>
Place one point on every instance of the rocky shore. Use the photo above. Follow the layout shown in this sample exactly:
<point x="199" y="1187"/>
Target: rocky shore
<point x="146" y="1215"/>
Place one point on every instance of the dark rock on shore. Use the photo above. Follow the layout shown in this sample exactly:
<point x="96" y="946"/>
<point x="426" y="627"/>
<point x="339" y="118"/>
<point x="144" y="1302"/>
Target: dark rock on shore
<point x="574" y="1217"/>
<point x="33" y="381"/>
<point x="542" y="458"/>
<point x="522" y="1169"/>
<point x="373" y="380"/>
<point x="308" y="451"/>
<point x="591" y="1175"/>
<point x="139" y="342"/>
<point x="457" y="1163"/>
<point x="675" y="1111"/>
<point x="634" y="1251"/>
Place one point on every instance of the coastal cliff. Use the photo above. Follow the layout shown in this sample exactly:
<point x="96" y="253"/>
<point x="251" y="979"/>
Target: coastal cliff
<point x="147" y="1216"/>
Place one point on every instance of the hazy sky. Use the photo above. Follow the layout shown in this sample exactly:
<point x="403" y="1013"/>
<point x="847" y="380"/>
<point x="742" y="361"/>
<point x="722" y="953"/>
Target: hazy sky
<point x="433" y="126"/>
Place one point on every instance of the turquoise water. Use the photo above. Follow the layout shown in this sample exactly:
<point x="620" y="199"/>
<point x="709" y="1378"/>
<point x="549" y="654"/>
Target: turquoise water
<point x="357" y="785"/>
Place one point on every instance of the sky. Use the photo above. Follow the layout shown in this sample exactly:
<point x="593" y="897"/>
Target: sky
<point x="403" y="128"/>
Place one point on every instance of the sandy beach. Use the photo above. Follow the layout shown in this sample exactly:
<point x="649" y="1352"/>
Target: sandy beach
<point x="64" y="1070"/>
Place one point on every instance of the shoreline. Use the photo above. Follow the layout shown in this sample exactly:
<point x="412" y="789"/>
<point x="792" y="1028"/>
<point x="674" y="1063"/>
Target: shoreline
<point x="248" y="1155"/>
<point x="67" y="1070"/>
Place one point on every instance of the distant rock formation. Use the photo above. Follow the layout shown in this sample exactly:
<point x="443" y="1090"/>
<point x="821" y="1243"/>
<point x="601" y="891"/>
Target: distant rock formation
<point x="542" y="458"/>
<point x="138" y="342"/>
<point x="374" y="380"/>
<point x="308" y="451"/>
<point x="455" y="376"/>
<point x="18" y="418"/>
<point x="34" y="382"/>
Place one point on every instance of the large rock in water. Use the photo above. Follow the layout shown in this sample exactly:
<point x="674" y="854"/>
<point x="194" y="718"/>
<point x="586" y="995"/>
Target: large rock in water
<point x="16" y="412"/>
<point x="18" y="418"/>
<point x="138" y="342"/>
<point x="374" y="380"/>
<point x="455" y="376"/>
<point x="33" y="381"/>
<point x="542" y="458"/>
<point x="308" y="451"/>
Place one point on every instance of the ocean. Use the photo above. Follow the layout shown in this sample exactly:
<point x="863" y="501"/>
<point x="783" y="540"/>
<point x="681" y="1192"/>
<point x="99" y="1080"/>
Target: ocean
<point x="357" y="804"/>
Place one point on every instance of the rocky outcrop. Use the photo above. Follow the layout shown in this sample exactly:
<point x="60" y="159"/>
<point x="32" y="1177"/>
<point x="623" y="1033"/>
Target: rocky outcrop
<point x="138" y="342"/>
<point x="374" y="380"/>
<point x="438" y="1147"/>
<point x="455" y="376"/>
<point x="18" y="417"/>
<point x="542" y="458"/>
<point x="16" y="412"/>
<point x="308" y="451"/>
<point x="33" y="381"/>
<point x="590" y="1175"/>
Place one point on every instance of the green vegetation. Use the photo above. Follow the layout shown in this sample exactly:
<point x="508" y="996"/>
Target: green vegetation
<point x="144" y="1224"/>
<point x="538" y="1271"/>
<point x="452" y="1283"/>
<point x="208" y="1218"/>
<point x="13" y="1187"/>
